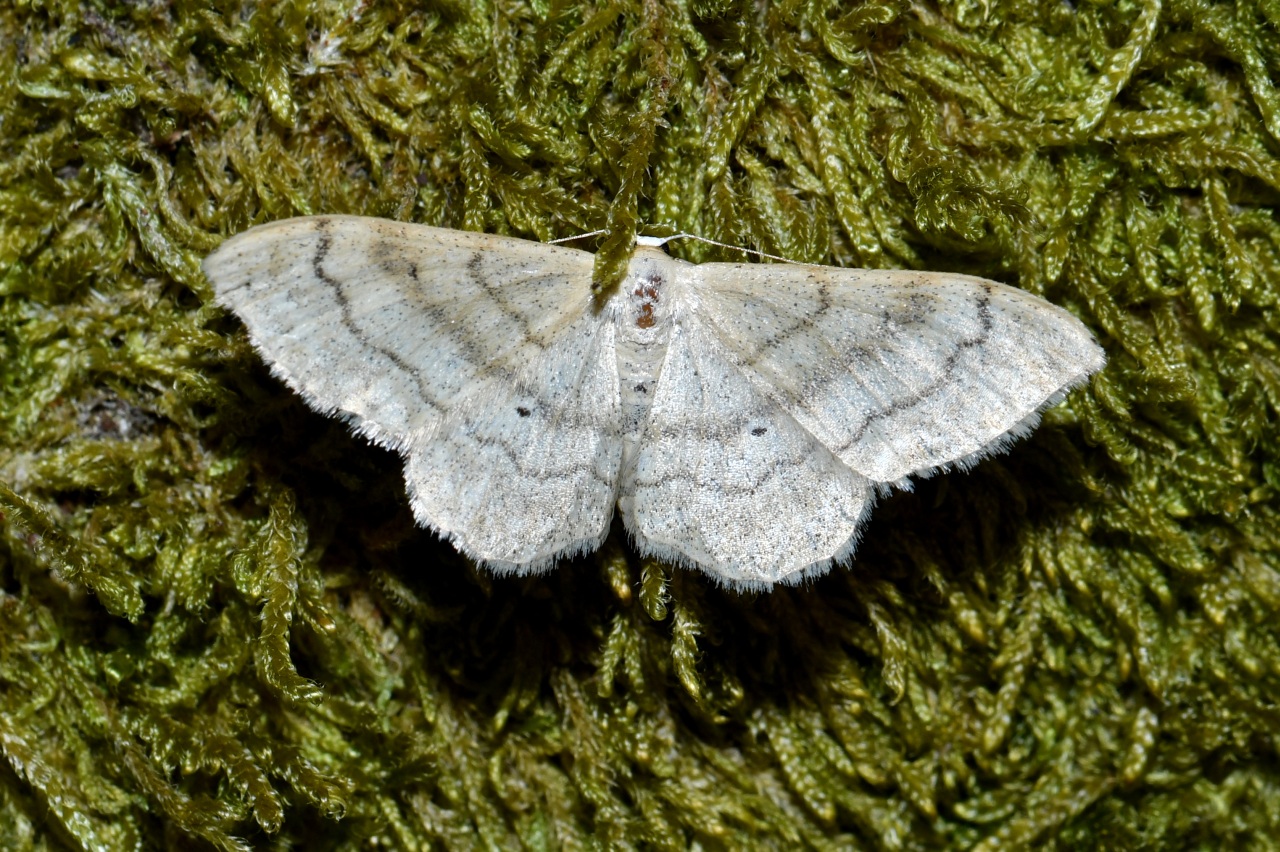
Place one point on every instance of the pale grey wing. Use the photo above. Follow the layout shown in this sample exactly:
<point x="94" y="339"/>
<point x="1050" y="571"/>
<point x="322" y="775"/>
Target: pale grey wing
<point x="478" y="357"/>
<point x="897" y="372"/>
<point x="725" y="480"/>
<point x="525" y="470"/>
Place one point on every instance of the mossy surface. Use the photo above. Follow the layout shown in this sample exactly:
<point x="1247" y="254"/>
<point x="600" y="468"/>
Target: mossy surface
<point x="219" y="625"/>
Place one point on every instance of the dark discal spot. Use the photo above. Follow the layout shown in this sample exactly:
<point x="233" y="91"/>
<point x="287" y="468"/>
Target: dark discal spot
<point x="413" y="273"/>
<point x="474" y="263"/>
<point x="758" y="431"/>
<point x="522" y="411"/>
<point x="641" y="388"/>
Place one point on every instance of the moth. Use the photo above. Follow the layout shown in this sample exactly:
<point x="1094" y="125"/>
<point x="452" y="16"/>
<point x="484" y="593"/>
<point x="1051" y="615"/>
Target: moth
<point x="741" y="417"/>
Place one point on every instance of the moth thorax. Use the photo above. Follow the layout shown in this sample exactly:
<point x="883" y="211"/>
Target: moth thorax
<point x="646" y="291"/>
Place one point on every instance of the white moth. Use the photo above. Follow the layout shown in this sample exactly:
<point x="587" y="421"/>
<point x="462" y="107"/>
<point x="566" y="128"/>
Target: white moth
<point x="742" y="417"/>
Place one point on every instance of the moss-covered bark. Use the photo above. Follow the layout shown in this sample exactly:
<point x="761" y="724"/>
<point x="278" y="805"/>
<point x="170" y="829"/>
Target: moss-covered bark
<point x="218" y="623"/>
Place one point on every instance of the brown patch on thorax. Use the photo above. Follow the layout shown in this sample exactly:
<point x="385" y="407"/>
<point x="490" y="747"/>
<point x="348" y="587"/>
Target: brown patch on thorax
<point x="648" y="292"/>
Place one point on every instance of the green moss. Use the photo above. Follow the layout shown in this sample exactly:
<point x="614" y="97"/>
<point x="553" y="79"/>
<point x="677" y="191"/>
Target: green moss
<point x="218" y="621"/>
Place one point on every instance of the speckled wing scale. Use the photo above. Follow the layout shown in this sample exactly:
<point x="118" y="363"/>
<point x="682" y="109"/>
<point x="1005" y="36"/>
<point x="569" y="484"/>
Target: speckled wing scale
<point x="479" y="360"/>
<point x="741" y="416"/>
<point x="898" y="373"/>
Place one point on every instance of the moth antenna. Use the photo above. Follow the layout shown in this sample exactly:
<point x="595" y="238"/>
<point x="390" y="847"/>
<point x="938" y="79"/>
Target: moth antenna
<point x="660" y="241"/>
<point x="585" y="236"/>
